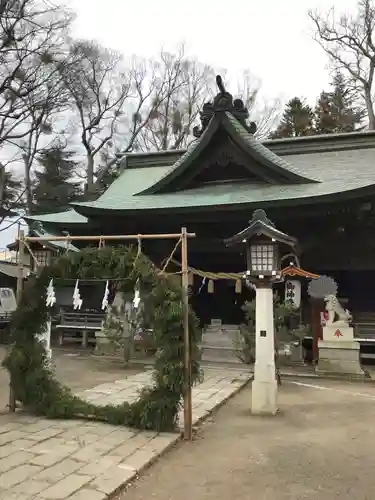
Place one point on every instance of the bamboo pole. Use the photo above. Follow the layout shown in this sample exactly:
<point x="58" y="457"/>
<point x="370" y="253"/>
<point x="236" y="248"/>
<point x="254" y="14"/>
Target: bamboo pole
<point x="166" y="236"/>
<point x="21" y="256"/>
<point x="188" y="425"/>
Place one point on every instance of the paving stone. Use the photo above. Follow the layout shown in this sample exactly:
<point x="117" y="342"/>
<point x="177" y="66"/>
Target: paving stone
<point x="128" y="448"/>
<point x="7" y="437"/>
<point x="88" y="494"/>
<point x="58" y="471"/>
<point x="78" y="431"/>
<point x="66" y="487"/>
<point x="56" y="445"/>
<point x="17" y="475"/>
<point x="23" y="444"/>
<point x="47" y="459"/>
<point x="112" y="480"/>
<point x="141" y="458"/>
<point x="163" y="442"/>
<point x="44" y="434"/>
<point x="39" y="425"/>
<point x="10" y="426"/>
<point x="88" y="453"/>
<point x="30" y="487"/>
<point x="7" y="449"/>
<point x="17" y="458"/>
<point x="97" y="467"/>
<point x="15" y="496"/>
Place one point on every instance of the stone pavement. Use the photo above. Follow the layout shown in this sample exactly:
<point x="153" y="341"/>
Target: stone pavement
<point x="52" y="459"/>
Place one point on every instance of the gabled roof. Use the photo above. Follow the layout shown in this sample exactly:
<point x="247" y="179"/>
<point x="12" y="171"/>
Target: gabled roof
<point x="267" y="166"/>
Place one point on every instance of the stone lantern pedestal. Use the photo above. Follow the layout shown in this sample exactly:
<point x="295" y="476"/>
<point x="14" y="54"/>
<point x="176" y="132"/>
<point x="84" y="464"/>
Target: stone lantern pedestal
<point x="264" y="385"/>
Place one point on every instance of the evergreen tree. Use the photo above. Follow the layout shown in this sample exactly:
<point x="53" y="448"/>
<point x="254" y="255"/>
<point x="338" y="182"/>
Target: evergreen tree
<point x="55" y="186"/>
<point x="297" y="120"/>
<point x="336" y="111"/>
<point x="10" y="193"/>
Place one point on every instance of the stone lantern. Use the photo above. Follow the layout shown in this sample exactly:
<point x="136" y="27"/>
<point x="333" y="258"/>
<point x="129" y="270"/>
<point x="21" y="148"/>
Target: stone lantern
<point x="264" y="247"/>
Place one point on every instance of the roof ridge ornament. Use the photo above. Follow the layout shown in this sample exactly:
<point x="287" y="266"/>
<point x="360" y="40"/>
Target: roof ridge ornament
<point x="223" y="101"/>
<point x="260" y="215"/>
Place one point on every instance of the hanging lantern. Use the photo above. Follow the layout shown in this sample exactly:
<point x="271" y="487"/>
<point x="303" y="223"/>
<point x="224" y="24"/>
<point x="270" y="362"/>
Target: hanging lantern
<point x="210" y="287"/>
<point x="238" y="288"/>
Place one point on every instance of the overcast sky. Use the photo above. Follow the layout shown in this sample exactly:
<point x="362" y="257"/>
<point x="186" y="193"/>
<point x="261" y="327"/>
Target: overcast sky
<point x="271" y="38"/>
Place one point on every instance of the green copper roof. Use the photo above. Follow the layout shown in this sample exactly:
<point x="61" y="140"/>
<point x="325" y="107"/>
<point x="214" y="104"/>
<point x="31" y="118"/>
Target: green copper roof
<point x="46" y="230"/>
<point x="267" y="166"/>
<point x="334" y="167"/>
<point x="342" y="173"/>
<point x="68" y="217"/>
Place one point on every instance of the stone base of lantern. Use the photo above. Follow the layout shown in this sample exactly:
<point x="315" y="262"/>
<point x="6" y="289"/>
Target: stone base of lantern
<point x="264" y="397"/>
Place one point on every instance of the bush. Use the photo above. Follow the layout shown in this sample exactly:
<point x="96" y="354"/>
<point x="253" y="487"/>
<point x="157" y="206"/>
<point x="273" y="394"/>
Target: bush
<point x="245" y="343"/>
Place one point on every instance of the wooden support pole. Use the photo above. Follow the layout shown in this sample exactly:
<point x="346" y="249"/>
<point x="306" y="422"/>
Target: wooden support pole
<point x="21" y="257"/>
<point x="188" y="409"/>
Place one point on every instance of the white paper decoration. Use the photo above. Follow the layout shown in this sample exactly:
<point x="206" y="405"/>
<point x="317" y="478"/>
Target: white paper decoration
<point x="77" y="301"/>
<point x="51" y="296"/>
<point x="105" y="296"/>
<point x="137" y="298"/>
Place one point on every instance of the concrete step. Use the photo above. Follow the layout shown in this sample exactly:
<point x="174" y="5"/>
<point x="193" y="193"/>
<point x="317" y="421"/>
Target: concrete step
<point x="219" y="354"/>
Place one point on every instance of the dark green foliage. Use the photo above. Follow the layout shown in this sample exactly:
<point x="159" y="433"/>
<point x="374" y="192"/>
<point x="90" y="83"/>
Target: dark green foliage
<point x="55" y="188"/>
<point x="10" y="192"/>
<point x="336" y="111"/>
<point x="33" y="381"/>
<point x="245" y="344"/>
<point x="297" y="120"/>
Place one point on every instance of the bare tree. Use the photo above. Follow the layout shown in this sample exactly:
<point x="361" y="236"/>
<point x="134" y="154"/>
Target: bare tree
<point x="188" y="84"/>
<point x="99" y="87"/>
<point x="31" y="35"/>
<point x="264" y="113"/>
<point x="32" y="46"/>
<point x="349" y="43"/>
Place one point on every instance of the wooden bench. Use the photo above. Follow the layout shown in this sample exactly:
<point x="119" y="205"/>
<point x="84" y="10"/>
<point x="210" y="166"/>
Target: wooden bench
<point x="78" y="322"/>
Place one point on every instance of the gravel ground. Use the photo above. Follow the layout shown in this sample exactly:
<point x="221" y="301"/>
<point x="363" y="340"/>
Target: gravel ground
<point x="320" y="446"/>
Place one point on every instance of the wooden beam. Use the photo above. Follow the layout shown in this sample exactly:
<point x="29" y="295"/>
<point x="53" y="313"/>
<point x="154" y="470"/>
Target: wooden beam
<point x="108" y="237"/>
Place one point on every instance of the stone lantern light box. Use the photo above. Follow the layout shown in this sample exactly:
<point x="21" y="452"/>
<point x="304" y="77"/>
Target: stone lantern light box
<point x="264" y="246"/>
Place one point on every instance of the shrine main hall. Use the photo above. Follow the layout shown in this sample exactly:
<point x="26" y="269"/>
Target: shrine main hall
<point x="319" y="189"/>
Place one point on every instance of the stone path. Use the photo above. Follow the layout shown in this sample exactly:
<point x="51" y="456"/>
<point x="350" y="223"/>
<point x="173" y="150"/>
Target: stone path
<point x="49" y="459"/>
